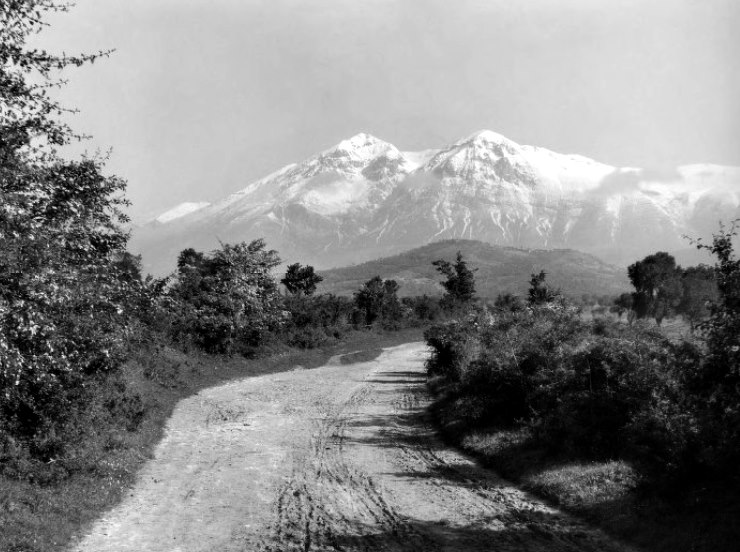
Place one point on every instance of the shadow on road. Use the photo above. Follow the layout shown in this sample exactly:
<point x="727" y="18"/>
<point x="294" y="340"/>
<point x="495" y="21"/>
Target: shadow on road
<point x="411" y="431"/>
<point x="504" y="534"/>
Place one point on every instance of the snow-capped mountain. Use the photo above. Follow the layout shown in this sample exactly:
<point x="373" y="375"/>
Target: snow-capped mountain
<point x="365" y="198"/>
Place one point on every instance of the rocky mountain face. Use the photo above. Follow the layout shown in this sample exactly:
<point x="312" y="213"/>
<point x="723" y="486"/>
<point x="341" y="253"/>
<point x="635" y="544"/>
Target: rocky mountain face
<point x="364" y="198"/>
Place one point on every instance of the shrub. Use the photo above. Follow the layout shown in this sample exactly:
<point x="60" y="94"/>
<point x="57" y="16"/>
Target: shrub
<point x="594" y="390"/>
<point x="453" y="348"/>
<point x="716" y="384"/>
<point x="228" y="300"/>
<point x="606" y="389"/>
<point x="423" y="308"/>
<point x="307" y="337"/>
<point x="589" y="389"/>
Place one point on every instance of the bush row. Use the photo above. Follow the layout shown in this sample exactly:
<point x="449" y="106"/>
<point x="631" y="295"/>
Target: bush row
<point x="602" y="389"/>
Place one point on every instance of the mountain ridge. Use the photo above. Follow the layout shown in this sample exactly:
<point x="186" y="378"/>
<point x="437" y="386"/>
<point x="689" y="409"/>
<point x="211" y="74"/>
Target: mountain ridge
<point x="364" y="198"/>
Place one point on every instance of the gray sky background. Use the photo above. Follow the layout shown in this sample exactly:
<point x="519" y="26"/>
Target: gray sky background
<point x="204" y="96"/>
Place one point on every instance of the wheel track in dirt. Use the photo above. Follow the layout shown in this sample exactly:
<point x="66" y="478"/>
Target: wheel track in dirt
<point x="341" y="458"/>
<point x="314" y="527"/>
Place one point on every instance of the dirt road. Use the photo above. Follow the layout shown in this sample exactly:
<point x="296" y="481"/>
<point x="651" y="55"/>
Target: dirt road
<point x="335" y="458"/>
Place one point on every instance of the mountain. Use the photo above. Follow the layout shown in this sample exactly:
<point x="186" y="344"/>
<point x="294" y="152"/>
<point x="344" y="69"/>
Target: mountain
<point x="365" y="198"/>
<point x="500" y="269"/>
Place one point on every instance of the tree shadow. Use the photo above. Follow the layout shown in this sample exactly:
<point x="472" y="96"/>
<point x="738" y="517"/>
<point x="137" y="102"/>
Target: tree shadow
<point x="514" y="532"/>
<point x="412" y="428"/>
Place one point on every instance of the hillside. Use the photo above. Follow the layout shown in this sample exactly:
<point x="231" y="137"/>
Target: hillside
<point x="500" y="269"/>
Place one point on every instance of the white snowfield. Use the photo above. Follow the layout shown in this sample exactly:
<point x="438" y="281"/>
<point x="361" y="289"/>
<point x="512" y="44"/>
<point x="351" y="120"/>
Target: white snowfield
<point x="365" y="197"/>
<point x="180" y="211"/>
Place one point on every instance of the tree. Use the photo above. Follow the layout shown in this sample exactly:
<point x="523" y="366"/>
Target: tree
<point x="460" y="282"/>
<point x="63" y="302"/>
<point x="539" y="292"/>
<point x="30" y="114"/>
<point x="623" y="304"/>
<point x="717" y="383"/>
<point x="190" y="258"/>
<point x="378" y="299"/>
<point x="301" y="279"/>
<point x="699" y="291"/>
<point x="657" y="283"/>
<point x="228" y="298"/>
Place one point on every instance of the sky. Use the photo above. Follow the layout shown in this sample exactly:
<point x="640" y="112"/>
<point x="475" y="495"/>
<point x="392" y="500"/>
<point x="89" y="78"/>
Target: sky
<point x="201" y="97"/>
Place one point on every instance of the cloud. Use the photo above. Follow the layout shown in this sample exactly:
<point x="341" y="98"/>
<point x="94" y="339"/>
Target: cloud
<point x="625" y="181"/>
<point x="620" y="181"/>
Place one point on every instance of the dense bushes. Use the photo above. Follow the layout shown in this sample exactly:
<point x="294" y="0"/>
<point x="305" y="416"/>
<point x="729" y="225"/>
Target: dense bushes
<point x="602" y="389"/>
<point x="225" y="300"/>
<point x="584" y="388"/>
<point x="313" y="320"/>
<point x="64" y="302"/>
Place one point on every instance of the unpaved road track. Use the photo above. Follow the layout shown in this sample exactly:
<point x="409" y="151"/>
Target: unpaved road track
<point x="339" y="458"/>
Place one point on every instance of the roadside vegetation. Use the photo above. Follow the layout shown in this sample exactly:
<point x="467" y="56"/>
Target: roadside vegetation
<point x="614" y="419"/>
<point x="94" y="356"/>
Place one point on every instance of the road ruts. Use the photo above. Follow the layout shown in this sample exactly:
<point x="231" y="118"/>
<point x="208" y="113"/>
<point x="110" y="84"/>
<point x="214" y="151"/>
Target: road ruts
<point x="339" y="458"/>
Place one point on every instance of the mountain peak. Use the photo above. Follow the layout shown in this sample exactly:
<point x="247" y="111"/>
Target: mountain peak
<point x="364" y="137"/>
<point x="356" y="151"/>
<point x="361" y="141"/>
<point x="487" y="136"/>
<point x="476" y="158"/>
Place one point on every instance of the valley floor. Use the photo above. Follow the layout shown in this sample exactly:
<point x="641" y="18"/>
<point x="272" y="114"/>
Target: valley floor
<point x="342" y="457"/>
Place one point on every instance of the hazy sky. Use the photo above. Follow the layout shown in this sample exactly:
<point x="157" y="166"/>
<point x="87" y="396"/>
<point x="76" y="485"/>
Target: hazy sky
<point x="203" y="96"/>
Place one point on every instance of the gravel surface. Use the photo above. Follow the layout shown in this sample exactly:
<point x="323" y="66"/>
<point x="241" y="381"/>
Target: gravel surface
<point x="341" y="458"/>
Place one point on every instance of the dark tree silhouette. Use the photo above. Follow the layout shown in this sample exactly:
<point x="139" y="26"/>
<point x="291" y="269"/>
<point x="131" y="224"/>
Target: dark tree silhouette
<point x="539" y="292"/>
<point x="378" y="299"/>
<point x="623" y="304"/>
<point x="190" y="259"/>
<point x="657" y="283"/>
<point x="699" y="291"/>
<point x="301" y="279"/>
<point x="460" y="282"/>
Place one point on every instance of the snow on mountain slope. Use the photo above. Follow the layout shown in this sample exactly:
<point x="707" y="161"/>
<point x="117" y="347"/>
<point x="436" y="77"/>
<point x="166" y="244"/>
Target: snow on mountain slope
<point x="180" y="211"/>
<point x="364" y="198"/>
<point x="352" y="175"/>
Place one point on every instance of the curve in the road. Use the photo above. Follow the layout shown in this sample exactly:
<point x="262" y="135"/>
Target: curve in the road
<point x="339" y="458"/>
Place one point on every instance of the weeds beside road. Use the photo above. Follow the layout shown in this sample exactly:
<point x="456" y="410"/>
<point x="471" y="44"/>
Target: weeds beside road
<point x="340" y="458"/>
<point x="608" y="493"/>
<point x="42" y="514"/>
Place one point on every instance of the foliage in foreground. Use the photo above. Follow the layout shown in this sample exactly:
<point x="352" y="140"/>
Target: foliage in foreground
<point x="64" y="320"/>
<point x="603" y="389"/>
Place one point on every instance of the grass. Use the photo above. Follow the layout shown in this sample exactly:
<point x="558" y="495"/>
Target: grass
<point x="690" y="517"/>
<point x="38" y="517"/>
